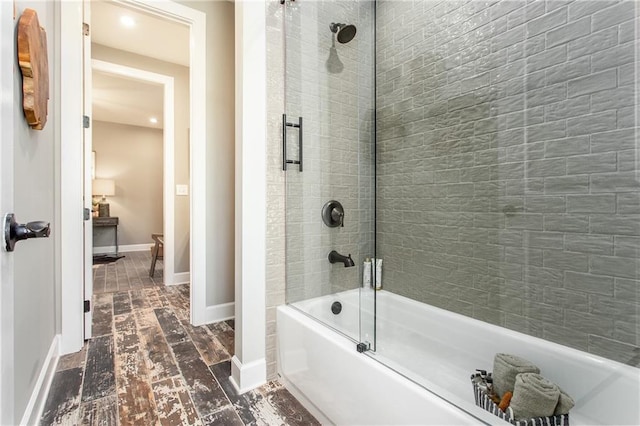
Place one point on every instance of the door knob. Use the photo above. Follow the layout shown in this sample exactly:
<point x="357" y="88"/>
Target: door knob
<point x="14" y="231"/>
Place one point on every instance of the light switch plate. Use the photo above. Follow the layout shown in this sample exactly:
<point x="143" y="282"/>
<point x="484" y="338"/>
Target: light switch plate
<point x="182" y="189"/>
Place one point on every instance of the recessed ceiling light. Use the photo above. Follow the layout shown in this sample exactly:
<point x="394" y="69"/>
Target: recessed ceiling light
<point x="153" y="120"/>
<point x="127" y="21"/>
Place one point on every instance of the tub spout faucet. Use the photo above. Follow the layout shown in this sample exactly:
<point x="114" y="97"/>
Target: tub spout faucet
<point x="334" y="257"/>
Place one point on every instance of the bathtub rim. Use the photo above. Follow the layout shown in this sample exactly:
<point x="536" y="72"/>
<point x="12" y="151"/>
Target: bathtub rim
<point x="308" y="321"/>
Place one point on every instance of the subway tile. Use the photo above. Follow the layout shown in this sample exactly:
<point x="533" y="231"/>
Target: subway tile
<point x="566" y="261"/>
<point x="593" y="43"/>
<point x="566" y="223"/>
<point x="588" y="323"/>
<point x="594" y="163"/>
<point x="612" y="99"/>
<point x="605" y="203"/>
<point x="569" y="70"/>
<point x="546" y="22"/>
<point x="567" y="108"/>
<point x="554" y="240"/>
<point x="568" y="32"/>
<point x="628" y="203"/>
<point x="627" y="246"/>
<point x="545" y="204"/>
<point x="566" y="336"/>
<point x="613" y="266"/>
<point x="615" y="224"/>
<point x="612" y="349"/>
<point x="589" y="243"/>
<point x="549" y="167"/>
<point x="568" y="146"/>
<point x="614" y="15"/>
<point x="547" y="58"/>
<point x="614" y="182"/>
<point x="604" y="80"/>
<point x="614" y="57"/>
<point x="589" y="283"/>
<point x="616" y="140"/>
<point x="581" y="8"/>
<point x="566" y="185"/>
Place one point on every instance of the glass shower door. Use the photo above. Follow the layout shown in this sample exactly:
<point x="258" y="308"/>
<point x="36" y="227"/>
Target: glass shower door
<point x="328" y="158"/>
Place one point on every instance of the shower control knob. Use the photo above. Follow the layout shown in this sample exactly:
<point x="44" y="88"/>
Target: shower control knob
<point x="333" y="214"/>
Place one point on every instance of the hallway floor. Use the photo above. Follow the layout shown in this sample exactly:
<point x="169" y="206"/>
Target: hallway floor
<point x="147" y="365"/>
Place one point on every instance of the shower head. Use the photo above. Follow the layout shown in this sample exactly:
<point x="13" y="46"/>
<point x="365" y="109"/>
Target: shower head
<point x="344" y="32"/>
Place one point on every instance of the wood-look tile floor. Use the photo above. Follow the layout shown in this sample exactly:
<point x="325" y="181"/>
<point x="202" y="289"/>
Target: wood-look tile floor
<point x="146" y="365"/>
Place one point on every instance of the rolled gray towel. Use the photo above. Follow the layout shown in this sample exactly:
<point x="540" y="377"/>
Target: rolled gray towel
<point x="565" y="403"/>
<point x="505" y="369"/>
<point x="534" y="396"/>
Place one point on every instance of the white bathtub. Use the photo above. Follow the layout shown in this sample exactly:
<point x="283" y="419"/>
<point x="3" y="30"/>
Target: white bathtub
<point x="437" y="349"/>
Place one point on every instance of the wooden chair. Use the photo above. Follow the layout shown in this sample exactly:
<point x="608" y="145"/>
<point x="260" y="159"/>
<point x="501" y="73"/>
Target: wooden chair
<point x="155" y="253"/>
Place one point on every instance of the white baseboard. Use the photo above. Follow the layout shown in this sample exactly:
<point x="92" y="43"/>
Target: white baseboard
<point x="220" y="312"/>
<point x="35" y="406"/>
<point x="245" y="377"/>
<point x="179" y="278"/>
<point x="122" y="249"/>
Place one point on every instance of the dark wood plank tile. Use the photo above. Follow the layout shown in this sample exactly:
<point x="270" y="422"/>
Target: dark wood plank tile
<point x="173" y="402"/>
<point x="101" y="412"/>
<point x="289" y="408"/>
<point x="225" y="417"/>
<point x="231" y="323"/>
<point x="74" y="360"/>
<point x="210" y="348"/>
<point x="179" y="303"/>
<point x="99" y="377"/>
<point x="121" y="303"/>
<point x="246" y="405"/>
<point x="135" y="397"/>
<point x="205" y="392"/>
<point x="160" y="361"/>
<point x="61" y="406"/>
<point x="224" y="334"/>
<point x="139" y="300"/>
<point x="151" y="294"/>
<point x="102" y="314"/>
<point x="171" y="327"/>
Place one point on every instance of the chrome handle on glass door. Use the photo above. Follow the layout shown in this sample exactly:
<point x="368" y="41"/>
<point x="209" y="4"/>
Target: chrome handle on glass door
<point x="298" y="126"/>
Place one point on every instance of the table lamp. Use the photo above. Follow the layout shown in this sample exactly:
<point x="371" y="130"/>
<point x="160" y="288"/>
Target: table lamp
<point x="104" y="188"/>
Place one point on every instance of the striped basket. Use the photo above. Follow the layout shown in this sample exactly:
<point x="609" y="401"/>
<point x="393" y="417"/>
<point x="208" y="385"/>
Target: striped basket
<point x="483" y="401"/>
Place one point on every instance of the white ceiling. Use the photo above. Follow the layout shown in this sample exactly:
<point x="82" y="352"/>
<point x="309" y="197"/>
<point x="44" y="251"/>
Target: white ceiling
<point x="125" y="101"/>
<point x="150" y="36"/>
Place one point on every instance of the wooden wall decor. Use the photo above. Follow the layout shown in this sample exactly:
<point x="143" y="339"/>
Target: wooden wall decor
<point x="32" y="58"/>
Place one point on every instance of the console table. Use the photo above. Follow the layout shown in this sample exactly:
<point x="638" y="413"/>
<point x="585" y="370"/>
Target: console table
<point x="107" y="222"/>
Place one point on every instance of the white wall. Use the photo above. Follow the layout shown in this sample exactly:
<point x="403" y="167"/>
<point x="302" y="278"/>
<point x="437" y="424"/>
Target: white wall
<point x="220" y="148"/>
<point x="132" y="157"/>
<point x="180" y="75"/>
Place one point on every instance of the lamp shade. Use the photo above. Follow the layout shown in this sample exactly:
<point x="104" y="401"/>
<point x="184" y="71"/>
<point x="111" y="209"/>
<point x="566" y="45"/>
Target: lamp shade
<point x="103" y="187"/>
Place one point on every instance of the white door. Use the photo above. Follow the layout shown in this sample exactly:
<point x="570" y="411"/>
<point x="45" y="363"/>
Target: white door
<point x="87" y="170"/>
<point x="6" y="205"/>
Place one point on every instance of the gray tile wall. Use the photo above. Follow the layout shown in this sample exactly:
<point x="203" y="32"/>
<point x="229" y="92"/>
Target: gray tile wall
<point x="508" y="184"/>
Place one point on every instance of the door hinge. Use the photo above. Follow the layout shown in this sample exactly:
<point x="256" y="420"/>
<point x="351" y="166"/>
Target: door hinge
<point x="86" y="121"/>
<point x="86" y="213"/>
<point x="85" y="28"/>
<point x="87" y="306"/>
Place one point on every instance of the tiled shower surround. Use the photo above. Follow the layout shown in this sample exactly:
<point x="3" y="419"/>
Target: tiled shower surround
<point x="508" y="186"/>
<point x="331" y="85"/>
